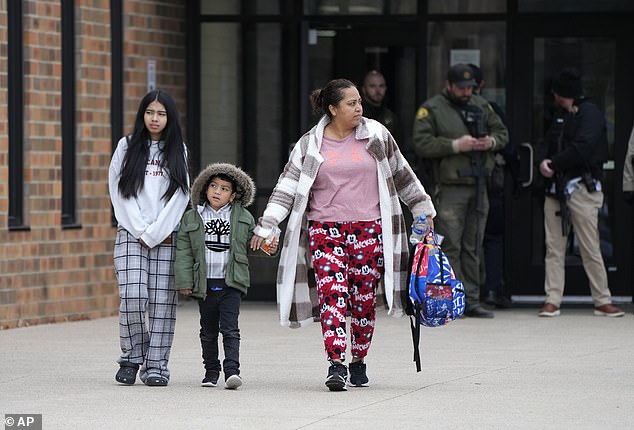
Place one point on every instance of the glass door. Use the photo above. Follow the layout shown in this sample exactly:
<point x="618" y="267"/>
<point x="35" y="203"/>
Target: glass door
<point x="351" y="50"/>
<point x="596" y="58"/>
<point x="546" y="50"/>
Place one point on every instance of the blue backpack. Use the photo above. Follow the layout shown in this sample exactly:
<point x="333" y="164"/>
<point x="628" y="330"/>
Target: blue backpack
<point x="436" y="297"/>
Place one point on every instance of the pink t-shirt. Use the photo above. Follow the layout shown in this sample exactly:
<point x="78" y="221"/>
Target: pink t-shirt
<point x="346" y="187"/>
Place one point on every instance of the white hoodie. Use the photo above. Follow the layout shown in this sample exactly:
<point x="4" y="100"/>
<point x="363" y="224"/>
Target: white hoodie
<point x="148" y="216"/>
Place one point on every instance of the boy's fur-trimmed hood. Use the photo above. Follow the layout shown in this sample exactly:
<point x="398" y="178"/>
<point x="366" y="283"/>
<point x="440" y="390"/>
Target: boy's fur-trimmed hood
<point x="245" y="187"/>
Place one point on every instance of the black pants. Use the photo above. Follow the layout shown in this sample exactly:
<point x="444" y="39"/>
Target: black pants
<point x="219" y="314"/>
<point x="494" y="247"/>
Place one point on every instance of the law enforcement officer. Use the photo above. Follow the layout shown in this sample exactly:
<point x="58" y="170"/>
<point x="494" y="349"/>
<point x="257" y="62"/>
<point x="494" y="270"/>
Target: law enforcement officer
<point x="373" y="91"/>
<point x="459" y="132"/>
<point x="571" y="160"/>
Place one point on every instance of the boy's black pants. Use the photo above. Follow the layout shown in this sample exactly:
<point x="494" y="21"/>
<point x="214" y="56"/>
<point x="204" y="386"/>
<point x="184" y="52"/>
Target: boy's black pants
<point x="219" y="314"/>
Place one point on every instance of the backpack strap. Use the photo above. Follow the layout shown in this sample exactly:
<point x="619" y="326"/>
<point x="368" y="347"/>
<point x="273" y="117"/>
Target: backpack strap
<point x="415" y="326"/>
<point x="409" y="309"/>
<point x="413" y="311"/>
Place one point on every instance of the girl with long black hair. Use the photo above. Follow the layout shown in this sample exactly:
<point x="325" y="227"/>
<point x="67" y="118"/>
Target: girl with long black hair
<point x="149" y="190"/>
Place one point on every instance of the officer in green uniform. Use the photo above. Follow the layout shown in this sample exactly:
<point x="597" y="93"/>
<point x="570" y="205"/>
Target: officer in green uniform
<point x="458" y="132"/>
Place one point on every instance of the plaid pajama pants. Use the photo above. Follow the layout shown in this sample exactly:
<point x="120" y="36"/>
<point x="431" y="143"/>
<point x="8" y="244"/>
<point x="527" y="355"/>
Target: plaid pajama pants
<point x="348" y="262"/>
<point x="146" y="285"/>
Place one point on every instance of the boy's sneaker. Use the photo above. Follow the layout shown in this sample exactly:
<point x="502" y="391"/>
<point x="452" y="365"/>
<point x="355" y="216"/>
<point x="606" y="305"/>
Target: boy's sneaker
<point x="211" y="379"/>
<point x="358" y="377"/>
<point x="337" y="377"/>
<point x="232" y="382"/>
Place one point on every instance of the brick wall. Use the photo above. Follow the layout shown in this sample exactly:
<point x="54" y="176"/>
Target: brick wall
<point x="50" y="274"/>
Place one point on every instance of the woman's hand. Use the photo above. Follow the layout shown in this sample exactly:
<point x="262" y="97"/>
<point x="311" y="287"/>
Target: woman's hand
<point x="185" y="292"/>
<point x="256" y="242"/>
<point x="430" y="221"/>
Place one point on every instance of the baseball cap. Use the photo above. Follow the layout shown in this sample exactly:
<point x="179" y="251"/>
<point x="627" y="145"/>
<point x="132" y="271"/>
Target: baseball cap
<point x="461" y="75"/>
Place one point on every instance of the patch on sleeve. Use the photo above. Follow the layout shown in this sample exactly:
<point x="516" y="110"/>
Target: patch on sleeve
<point x="422" y="113"/>
<point x="490" y="107"/>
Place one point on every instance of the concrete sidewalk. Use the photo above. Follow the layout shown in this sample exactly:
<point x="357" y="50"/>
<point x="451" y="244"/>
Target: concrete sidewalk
<point x="516" y="371"/>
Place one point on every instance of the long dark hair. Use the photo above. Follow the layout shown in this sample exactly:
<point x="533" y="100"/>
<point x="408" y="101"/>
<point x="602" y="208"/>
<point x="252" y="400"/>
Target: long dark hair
<point x="331" y="94"/>
<point x="136" y="157"/>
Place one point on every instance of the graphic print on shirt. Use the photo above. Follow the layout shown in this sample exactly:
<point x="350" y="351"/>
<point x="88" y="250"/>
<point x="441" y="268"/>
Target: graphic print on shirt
<point x="154" y="167"/>
<point x="217" y="235"/>
<point x="353" y="154"/>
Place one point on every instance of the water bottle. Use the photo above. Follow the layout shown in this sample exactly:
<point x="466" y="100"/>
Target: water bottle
<point x="419" y="230"/>
<point x="273" y="236"/>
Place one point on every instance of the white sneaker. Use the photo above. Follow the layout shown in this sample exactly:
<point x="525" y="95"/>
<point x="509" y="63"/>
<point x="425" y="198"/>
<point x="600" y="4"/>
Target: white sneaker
<point x="233" y="382"/>
<point x="608" y="310"/>
<point x="549" y="310"/>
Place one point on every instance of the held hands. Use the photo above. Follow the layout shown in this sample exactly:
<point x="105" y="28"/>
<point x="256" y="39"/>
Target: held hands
<point x="185" y="292"/>
<point x="256" y="242"/>
<point x="267" y="245"/>
<point x="468" y="143"/>
<point x="545" y="169"/>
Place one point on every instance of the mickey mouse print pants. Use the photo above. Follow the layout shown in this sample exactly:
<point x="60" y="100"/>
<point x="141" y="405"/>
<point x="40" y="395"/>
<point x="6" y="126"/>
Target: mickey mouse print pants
<point x="348" y="262"/>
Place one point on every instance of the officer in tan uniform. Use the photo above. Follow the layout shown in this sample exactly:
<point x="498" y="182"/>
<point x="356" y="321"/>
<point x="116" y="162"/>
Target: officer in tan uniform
<point x="459" y="133"/>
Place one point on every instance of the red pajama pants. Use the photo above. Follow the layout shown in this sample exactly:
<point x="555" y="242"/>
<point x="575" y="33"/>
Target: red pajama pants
<point x="348" y="262"/>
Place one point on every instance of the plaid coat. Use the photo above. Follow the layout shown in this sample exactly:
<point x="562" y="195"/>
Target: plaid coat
<point x="296" y="291"/>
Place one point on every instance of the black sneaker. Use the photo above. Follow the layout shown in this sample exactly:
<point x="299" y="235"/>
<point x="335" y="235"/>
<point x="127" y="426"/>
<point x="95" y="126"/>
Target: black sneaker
<point x="358" y="377"/>
<point x="127" y="373"/>
<point x="211" y="379"/>
<point x="156" y="381"/>
<point x="496" y="300"/>
<point x="337" y="376"/>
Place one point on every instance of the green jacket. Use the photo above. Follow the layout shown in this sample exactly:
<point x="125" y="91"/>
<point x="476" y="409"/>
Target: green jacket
<point x="190" y="266"/>
<point x="438" y="124"/>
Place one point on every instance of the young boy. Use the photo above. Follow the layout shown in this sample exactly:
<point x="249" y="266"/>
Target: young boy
<point x="211" y="262"/>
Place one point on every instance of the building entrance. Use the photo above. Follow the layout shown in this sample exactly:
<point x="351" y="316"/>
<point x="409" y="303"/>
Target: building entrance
<point x="414" y="71"/>
<point x="546" y="49"/>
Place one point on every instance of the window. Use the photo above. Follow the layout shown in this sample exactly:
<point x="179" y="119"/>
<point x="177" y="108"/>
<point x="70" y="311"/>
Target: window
<point x="219" y="7"/>
<point x="467" y="6"/>
<point x="479" y="43"/>
<point x="69" y="129"/>
<point x="574" y="5"/>
<point x="16" y="117"/>
<point x="359" y="7"/>
<point x="220" y="92"/>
